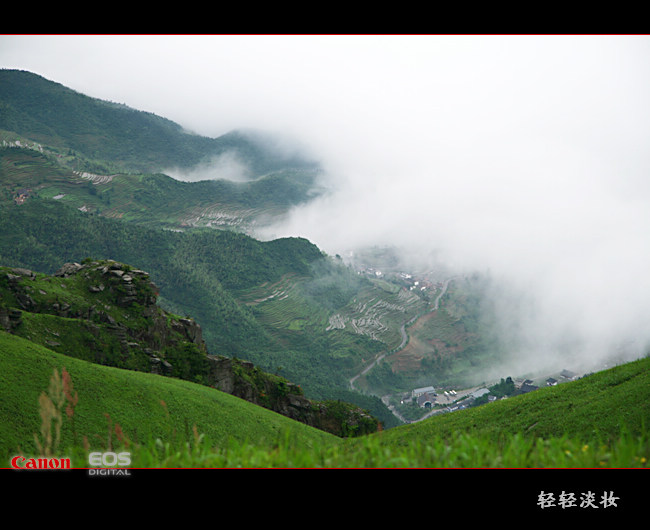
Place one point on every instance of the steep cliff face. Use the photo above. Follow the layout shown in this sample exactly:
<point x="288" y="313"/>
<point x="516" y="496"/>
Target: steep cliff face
<point x="244" y="380"/>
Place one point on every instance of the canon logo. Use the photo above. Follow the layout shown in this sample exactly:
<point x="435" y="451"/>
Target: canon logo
<point x="20" y="462"/>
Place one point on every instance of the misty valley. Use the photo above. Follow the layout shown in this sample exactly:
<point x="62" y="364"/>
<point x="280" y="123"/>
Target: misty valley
<point x="108" y="262"/>
<point x="443" y="345"/>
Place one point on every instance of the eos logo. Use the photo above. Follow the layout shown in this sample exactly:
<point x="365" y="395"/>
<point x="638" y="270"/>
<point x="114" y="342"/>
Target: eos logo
<point x="109" y="459"/>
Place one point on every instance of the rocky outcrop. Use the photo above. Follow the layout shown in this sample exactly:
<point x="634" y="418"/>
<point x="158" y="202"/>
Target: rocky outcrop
<point x="10" y="318"/>
<point x="243" y="379"/>
<point x="246" y="381"/>
<point x="109" y="299"/>
<point x="68" y="269"/>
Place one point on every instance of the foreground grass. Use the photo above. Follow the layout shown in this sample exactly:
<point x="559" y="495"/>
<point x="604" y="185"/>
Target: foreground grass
<point x="464" y="451"/>
<point x="113" y="403"/>
<point x="168" y="423"/>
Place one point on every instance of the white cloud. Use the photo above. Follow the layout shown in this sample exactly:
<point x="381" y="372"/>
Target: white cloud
<point x="525" y="155"/>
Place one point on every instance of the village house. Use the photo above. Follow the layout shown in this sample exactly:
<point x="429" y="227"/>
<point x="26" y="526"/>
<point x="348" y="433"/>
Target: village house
<point x="525" y="388"/>
<point x="426" y="400"/>
<point x="480" y="392"/>
<point x="424" y="390"/>
<point x="567" y="374"/>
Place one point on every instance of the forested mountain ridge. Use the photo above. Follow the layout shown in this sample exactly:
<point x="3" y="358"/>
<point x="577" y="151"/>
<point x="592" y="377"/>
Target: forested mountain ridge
<point x="129" y="140"/>
<point x="212" y="276"/>
<point x="194" y="271"/>
<point x="111" y="160"/>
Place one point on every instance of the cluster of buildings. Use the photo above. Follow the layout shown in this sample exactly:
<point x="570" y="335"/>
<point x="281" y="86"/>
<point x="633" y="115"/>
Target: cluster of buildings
<point x="527" y="385"/>
<point x="371" y="272"/>
<point x="417" y="284"/>
<point x="427" y="397"/>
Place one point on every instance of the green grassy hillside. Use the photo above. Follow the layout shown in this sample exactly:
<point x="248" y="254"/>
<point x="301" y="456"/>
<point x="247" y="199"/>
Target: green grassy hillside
<point x="281" y="304"/>
<point x="106" y="312"/>
<point x="598" y="406"/>
<point x="599" y="421"/>
<point x="145" y="406"/>
<point x="64" y="152"/>
<point x="103" y="312"/>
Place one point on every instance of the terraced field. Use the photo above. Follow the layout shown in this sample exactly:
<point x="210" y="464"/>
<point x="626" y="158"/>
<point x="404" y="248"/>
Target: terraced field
<point x="378" y="314"/>
<point x="95" y="179"/>
<point x="219" y="216"/>
<point x="32" y="174"/>
<point x="30" y="171"/>
<point x="269" y="291"/>
<point x="453" y="344"/>
<point x="283" y="306"/>
<point x="345" y="339"/>
<point x="374" y="313"/>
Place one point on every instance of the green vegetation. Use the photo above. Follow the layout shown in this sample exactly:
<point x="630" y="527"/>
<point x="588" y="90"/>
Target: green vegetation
<point x="145" y="406"/>
<point x="504" y="388"/>
<point x="150" y="199"/>
<point x="121" y="138"/>
<point x="597" y="407"/>
<point x="103" y="312"/>
<point x="166" y="422"/>
<point x="299" y="315"/>
<point x="192" y="270"/>
<point x="464" y="451"/>
<point x="204" y="274"/>
<point x="216" y="277"/>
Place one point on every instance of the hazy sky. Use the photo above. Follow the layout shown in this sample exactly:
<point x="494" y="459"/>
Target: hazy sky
<point x="525" y="155"/>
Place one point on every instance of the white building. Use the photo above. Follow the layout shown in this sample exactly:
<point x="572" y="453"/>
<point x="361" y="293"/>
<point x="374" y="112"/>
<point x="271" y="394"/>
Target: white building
<point x="425" y="390"/>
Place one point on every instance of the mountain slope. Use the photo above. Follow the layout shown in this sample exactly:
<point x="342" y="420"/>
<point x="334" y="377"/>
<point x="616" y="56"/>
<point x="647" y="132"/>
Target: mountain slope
<point x="200" y="273"/>
<point x="110" y="159"/>
<point x="145" y="406"/>
<point x="105" y="312"/>
<point x="598" y="406"/>
<point x="190" y="269"/>
<point x="240" y="434"/>
<point x="31" y="170"/>
<point x="52" y="114"/>
<point x="268" y="303"/>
